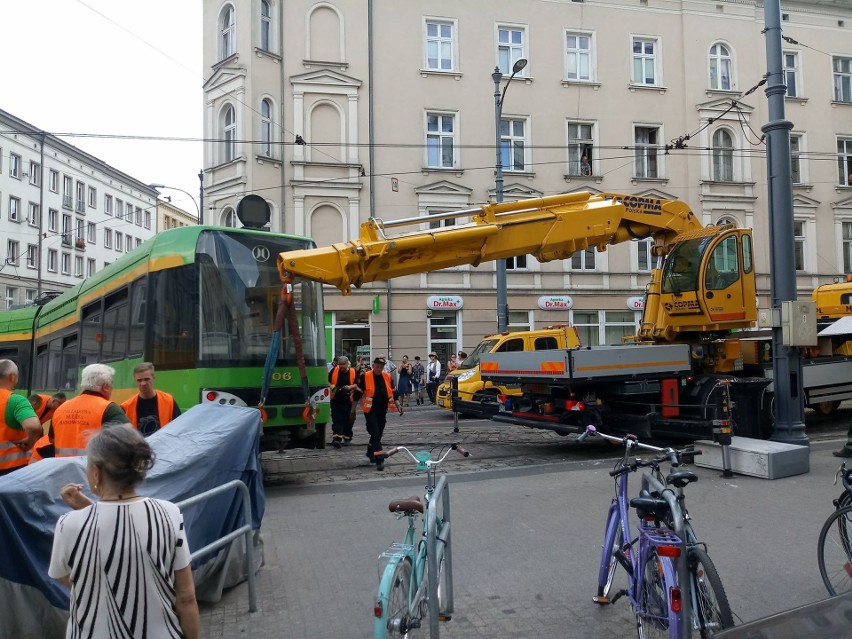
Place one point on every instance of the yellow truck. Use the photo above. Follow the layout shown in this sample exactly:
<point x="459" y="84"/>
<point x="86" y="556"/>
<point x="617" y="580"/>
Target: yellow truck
<point x="478" y="397"/>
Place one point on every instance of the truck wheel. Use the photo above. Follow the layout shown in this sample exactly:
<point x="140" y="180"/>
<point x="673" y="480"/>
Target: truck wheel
<point x="827" y="408"/>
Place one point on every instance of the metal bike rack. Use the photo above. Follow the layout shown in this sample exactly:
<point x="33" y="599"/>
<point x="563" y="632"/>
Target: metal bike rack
<point x="245" y="529"/>
<point x="652" y="484"/>
<point x="442" y="492"/>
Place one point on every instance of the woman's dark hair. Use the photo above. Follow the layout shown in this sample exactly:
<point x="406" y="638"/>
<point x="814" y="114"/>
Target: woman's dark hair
<point x="122" y="453"/>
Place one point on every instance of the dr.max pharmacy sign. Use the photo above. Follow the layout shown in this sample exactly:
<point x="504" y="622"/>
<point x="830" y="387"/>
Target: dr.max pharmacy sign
<point x="555" y="303"/>
<point x="444" y="302"/>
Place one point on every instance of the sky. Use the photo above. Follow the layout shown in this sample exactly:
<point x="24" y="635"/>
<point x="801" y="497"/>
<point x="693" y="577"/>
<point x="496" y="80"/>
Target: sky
<point x="114" y="68"/>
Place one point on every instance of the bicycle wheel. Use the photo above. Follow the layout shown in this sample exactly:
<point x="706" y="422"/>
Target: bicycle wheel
<point x="609" y="562"/>
<point x="844" y="500"/>
<point x="711" y="611"/>
<point x="834" y="551"/>
<point x="396" y="618"/>
<point x="653" y="614"/>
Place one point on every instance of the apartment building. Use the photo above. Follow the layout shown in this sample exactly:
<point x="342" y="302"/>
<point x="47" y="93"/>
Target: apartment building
<point x="64" y="214"/>
<point x="170" y="216"/>
<point x="336" y="111"/>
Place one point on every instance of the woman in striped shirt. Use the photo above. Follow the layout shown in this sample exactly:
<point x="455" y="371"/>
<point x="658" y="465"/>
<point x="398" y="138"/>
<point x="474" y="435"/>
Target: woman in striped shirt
<point x="125" y="557"/>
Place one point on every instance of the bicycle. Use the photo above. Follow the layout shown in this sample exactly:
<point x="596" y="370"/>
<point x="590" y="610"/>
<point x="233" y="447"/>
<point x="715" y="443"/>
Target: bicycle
<point x="417" y="577"/>
<point x="658" y="568"/>
<point x="834" y="548"/>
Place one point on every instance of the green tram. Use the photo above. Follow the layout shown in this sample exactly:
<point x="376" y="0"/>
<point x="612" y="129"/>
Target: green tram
<point x="200" y="303"/>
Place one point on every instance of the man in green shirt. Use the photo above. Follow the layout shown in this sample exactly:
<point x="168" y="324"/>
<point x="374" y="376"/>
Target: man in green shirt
<point x="20" y="428"/>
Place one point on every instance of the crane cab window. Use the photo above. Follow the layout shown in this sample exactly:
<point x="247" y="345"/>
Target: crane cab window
<point x="723" y="265"/>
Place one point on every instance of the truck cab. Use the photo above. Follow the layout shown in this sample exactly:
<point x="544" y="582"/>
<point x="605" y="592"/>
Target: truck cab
<point x="472" y="390"/>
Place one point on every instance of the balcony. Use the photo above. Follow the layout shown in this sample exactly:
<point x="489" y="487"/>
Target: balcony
<point x="67" y="202"/>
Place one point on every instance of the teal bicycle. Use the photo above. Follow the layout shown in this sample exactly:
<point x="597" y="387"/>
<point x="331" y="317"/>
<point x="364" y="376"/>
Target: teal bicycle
<point x="417" y="574"/>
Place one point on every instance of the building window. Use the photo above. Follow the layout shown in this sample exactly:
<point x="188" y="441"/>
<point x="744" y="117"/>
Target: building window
<point x="78" y="266"/>
<point x="67" y="187"/>
<point x="440" y="140"/>
<point x="644" y="257"/>
<point x="108" y="204"/>
<point x="90" y="232"/>
<point x="119" y="241"/>
<point x="587" y="324"/>
<point x="791" y="73"/>
<point x="580" y="146"/>
<point x="510" y="48"/>
<point x="229" y="134"/>
<point x="618" y="324"/>
<point x="266" y="128"/>
<point x="35" y="173"/>
<point x="53" y="181"/>
<point x="52" y="220"/>
<point x="12" y="252"/>
<point x="723" y="156"/>
<point x="33" y="217"/>
<point x="11" y="294"/>
<point x="14" y="209"/>
<point x="66" y="263"/>
<point x="437" y="224"/>
<point x="80" y="233"/>
<point x="31" y="295"/>
<point x="93" y="197"/>
<point x="137" y="216"/>
<point x="847" y="247"/>
<point x="51" y="260"/>
<point x="842" y="79"/>
<point x="583" y="260"/>
<point x="108" y="238"/>
<point x="128" y="212"/>
<point x="578" y="60"/>
<point x="645" y="61"/>
<point x="513" y="144"/>
<point x="229" y="218"/>
<point x="119" y="208"/>
<point x="227" y="33"/>
<point x="265" y="26"/>
<point x="90" y="267"/>
<point x="147" y="223"/>
<point x="647" y="139"/>
<point x="795" y="158"/>
<point x="516" y="263"/>
<point x="440" y="47"/>
<point x="138" y="242"/>
<point x="15" y="165"/>
<point x="844" y="161"/>
<point x="799" y="244"/>
<point x="66" y="229"/>
<point x="81" y="197"/>
<point x="720" y="68"/>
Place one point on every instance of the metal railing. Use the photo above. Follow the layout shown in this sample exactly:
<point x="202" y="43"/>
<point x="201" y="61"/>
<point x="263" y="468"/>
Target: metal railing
<point x="245" y="529"/>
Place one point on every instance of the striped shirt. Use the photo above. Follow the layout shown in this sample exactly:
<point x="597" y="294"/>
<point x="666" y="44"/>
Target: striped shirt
<point x="121" y="558"/>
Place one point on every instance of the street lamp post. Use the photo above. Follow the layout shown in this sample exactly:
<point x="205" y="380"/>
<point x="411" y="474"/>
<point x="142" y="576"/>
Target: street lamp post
<point x="502" y="292"/>
<point x="174" y="188"/>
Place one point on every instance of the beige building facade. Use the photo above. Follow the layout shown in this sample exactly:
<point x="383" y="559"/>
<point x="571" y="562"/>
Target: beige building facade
<point x="337" y="111"/>
<point x="170" y="216"/>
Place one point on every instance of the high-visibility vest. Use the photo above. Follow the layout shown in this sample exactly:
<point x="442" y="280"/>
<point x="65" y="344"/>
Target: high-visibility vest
<point x="10" y="455"/>
<point x="165" y="408"/>
<point x="41" y="412"/>
<point x="370" y="391"/>
<point x="41" y="444"/>
<point x="334" y="375"/>
<point x="74" y="420"/>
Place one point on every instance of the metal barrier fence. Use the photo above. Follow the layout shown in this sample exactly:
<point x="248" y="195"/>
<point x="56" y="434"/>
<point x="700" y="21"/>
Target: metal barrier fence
<point x="437" y="546"/>
<point x="245" y="529"/>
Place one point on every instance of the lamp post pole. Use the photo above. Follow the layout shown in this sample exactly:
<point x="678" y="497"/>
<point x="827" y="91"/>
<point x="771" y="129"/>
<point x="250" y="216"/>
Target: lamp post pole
<point x="502" y="290"/>
<point x="201" y="196"/>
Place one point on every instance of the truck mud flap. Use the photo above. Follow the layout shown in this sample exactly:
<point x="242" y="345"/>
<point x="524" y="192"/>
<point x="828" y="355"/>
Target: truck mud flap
<point x="560" y="429"/>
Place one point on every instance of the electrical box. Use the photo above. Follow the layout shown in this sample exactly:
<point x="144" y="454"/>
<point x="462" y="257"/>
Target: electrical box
<point x="798" y="323"/>
<point x="768" y="318"/>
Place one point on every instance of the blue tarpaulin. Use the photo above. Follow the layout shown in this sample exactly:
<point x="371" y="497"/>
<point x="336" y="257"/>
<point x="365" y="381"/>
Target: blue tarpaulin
<point x="205" y="447"/>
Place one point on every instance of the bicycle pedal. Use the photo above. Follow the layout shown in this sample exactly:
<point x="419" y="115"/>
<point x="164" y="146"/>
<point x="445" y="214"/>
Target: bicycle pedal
<point x="601" y="601"/>
<point x="618" y="596"/>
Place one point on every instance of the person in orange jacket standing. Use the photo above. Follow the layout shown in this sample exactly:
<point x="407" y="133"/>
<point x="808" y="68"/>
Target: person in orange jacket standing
<point x="149" y="409"/>
<point x="19" y="426"/>
<point x="78" y="417"/>
<point x="376" y="393"/>
<point x="44" y="407"/>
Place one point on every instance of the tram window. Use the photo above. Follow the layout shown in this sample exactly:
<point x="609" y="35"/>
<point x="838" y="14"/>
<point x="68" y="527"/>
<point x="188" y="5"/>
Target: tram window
<point x="69" y="362"/>
<point x="91" y="332"/>
<point x="10" y="353"/>
<point x="40" y="377"/>
<point x="136" y="344"/>
<point x="54" y="367"/>
<point x="174" y="298"/>
<point x="116" y="318"/>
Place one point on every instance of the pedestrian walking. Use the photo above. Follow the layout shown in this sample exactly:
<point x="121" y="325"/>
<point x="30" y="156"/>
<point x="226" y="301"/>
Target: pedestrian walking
<point x="433" y="376"/>
<point x="341" y="383"/>
<point x="418" y="380"/>
<point x="376" y="394"/>
<point x="404" y="386"/>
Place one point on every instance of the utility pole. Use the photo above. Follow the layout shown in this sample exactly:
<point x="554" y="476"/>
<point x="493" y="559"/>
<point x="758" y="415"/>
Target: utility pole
<point x="786" y="360"/>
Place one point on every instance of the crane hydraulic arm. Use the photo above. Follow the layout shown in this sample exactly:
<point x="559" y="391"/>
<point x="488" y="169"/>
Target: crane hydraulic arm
<point x="550" y="228"/>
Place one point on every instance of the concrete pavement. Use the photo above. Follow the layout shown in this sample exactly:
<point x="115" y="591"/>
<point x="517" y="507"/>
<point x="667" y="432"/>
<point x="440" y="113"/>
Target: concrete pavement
<point x="525" y="545"/>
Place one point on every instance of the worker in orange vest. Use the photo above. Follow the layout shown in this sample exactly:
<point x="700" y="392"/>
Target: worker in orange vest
<point x="149" y="409"/>
<point x="74" y="420"/>
<point x="376" y="393"/>
<point x="44" y="407"/>
<point x="19" y="426"/>
<point x="341" y="383"/>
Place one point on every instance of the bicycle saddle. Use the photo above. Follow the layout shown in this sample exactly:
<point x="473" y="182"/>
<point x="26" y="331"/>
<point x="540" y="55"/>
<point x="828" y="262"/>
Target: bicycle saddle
<point x="648" y="506"/>
<point x="681" y="478"/>
<point x="407" y="505"/>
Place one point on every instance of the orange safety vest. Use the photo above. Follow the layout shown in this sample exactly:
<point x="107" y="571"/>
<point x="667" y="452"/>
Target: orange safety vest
<point x="74" y="420"/>
<point x="165" y="408"/>
<point x="10" y="455"/>
<point x="41" y="443"/>
<point x="334" y="374"/>
<point x="42" y="413"/>
<point x="370" y="391"/>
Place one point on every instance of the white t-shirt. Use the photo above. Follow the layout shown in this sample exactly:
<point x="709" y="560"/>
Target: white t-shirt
<point x="121" y="558"/>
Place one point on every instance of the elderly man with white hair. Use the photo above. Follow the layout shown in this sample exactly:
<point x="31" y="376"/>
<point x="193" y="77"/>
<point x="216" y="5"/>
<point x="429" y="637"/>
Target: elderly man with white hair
<point x="86" y="413"/>
<point x="19" y="426"/>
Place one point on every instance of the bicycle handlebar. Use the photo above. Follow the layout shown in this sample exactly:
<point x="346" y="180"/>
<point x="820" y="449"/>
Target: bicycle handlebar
<point x="429" y="462"/>
<point x="672" y="456"/>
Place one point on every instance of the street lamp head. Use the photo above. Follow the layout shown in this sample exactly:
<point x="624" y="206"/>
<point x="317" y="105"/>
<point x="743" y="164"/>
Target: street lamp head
<point x="157" y="186"/>
<point x="519" y="65"/>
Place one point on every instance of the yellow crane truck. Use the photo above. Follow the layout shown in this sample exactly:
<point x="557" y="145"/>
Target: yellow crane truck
<point x="683" y="365"/>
